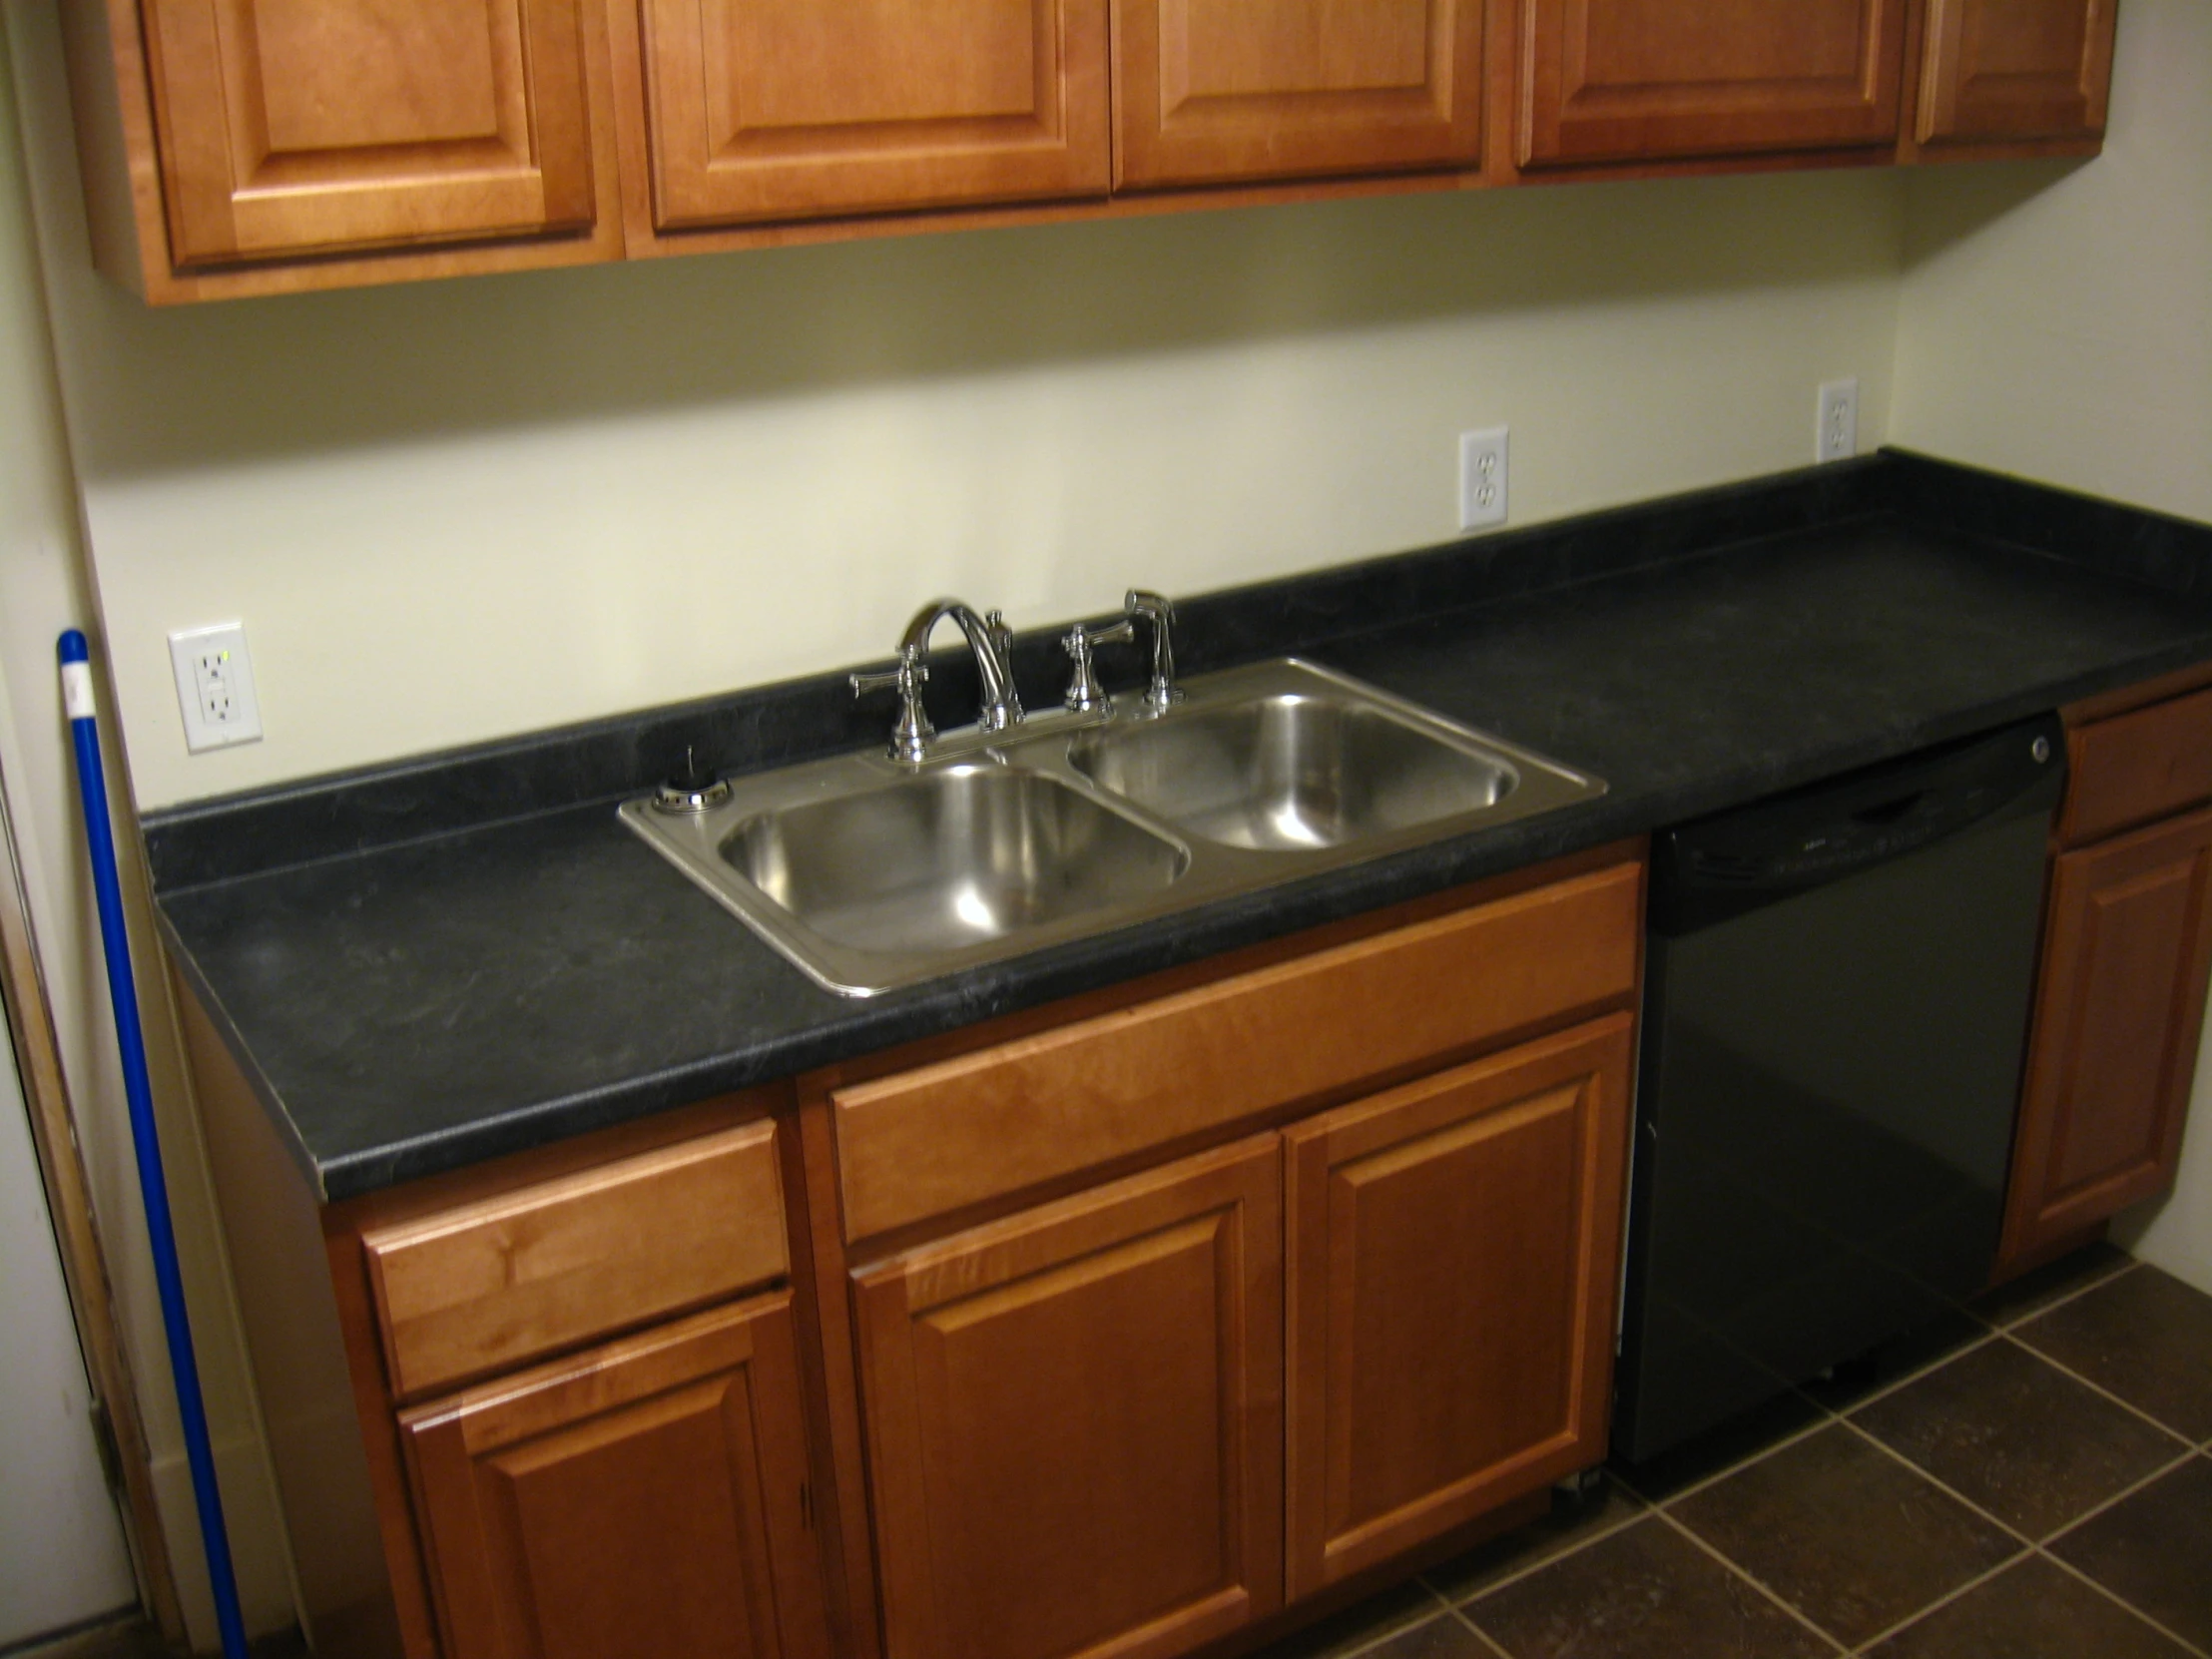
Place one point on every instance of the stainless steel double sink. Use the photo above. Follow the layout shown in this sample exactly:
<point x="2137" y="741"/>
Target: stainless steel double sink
<point x="870" y="874"/>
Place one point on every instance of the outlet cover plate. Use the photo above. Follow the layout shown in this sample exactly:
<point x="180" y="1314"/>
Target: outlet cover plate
<point x="1837" y="439"/>
<point x="1482" y="469"/>
<point x="214" y="686"/>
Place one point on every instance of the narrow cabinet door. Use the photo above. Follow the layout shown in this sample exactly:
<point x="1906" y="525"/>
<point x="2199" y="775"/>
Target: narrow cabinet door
<point x="1454" y="1253"/>
<point x="1074" y="1419"/>
<point x="1206" y="91"/>
<point x="291" y="127"/>
<point x="791" y="108"/>
<point x="1650" y="80"/>
<point x="1995" y="70"/>
<point x="645" y="1500"/>
<point x="2128" y="947"/>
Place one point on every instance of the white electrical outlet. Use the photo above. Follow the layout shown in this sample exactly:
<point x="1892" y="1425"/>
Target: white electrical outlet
<point x="214" y="686"/>
<point x="1482" y="478"/>
<point x="1839" y="430"/>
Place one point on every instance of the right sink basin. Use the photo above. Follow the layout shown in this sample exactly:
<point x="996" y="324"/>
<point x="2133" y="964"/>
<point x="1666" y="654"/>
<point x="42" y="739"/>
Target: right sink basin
<point x="1287" y="758"/>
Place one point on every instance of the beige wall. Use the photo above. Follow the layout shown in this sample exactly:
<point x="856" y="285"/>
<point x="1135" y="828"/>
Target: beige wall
<point x="452" y="512"/>
<point x="43" y="591"/>
<point x="2056" y="322"/>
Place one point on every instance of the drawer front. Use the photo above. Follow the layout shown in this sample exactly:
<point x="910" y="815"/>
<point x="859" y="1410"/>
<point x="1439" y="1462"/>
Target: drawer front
<point x="934" y="1140"/>
<point x="493" y="1284"/>
<point x="2143" y="766"/>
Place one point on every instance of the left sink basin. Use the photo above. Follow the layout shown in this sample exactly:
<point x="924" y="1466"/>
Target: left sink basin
<point x="869" y="877"/>
<point x="950" y="859"/>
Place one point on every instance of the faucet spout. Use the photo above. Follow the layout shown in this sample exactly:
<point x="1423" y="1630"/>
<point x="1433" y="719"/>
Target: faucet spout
<point x="1000" y="708"/>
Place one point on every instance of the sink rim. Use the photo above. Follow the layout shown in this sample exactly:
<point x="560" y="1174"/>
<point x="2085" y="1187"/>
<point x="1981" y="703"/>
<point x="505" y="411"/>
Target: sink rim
<point x="1212" y="869"/>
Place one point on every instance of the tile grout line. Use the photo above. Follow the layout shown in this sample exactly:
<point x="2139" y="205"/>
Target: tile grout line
<point x="1946" y="1599"/>
<point x="1755" y="1582"/>
<point x="1533" y="1567"/>
<point x="2121" y="1496"/>
<point x="1989" y="1334"/>
<point x="1395" y="1633"/>
<point x="2030" y="1314"/>
<point x="2120" y="1601"/>
<point x="1750" y="1457"/>
<point x="2039" y="1548"/>
<point x="1482" y="1635"/>
<point x="2063" y="1370"/>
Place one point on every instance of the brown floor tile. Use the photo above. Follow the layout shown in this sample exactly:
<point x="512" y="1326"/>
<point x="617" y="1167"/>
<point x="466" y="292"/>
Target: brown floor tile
<point x="1469" y="1575"/>
<point x="1645" y="1592"/>
<point x="2018" y="1436"/>
<point x="2153" y="1550"/>
<point x="2146" y="1336"/>
<point x="1443" y="1637"/>
<point x="1734" y="1441"/>
<point x="1844" y="1533"/>
<point x="2031" y="1293"/>
<point x="1360" y="1627"/>
<point x="2029" y="1611"/>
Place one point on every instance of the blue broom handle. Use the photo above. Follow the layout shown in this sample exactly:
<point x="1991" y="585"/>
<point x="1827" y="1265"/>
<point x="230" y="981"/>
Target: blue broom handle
<point x="77" y="699"/>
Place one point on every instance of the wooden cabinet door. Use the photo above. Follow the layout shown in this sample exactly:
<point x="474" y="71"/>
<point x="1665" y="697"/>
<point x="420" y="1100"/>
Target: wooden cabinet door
<point x="1074" y="1419"/>
<point x="1653" y="80"/>
<point x="1213" y="90"/>
<point x="791" y="108"/>
<point x="2128" y="947"/>
<point x="1454" y="1247"/>
<point x="645" y="1500"/>
<point x="1993" y="70"/>
<point x="291" y="127"/>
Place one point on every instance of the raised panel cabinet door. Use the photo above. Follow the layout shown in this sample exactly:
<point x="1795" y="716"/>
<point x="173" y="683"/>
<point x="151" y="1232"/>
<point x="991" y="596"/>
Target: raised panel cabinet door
<point x="1074" y="1419"/>
<point x="793" y="109"/>
<point x="2016" y="69"/>
<point x="1454" y="1253"/>
<point x="1206" y="91"/>
<point x="644" y="1499"/>
<point x="2128" y="949"/>
<point x="296" y="127"/>
<point x="1654" y="80"/>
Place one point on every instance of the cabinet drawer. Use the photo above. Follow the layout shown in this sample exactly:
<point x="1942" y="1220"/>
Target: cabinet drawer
<point x="931" y="1141"/>
<point x="496" y="1283"/>
<point x="2141" y="766"/>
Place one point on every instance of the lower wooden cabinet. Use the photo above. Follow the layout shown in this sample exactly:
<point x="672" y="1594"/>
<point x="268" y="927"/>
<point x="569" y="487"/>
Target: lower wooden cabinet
<point x="1454" y="1253"/>
<point x="1074" y="1419"/>
<point x="2126" y="955"/>
<point x="648" y="1499"/>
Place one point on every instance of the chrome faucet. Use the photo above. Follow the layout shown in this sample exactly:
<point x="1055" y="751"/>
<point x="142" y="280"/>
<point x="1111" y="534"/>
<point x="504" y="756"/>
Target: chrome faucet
<point x="1154" y="609"/>
<point x="991" y="641"/>
<point x="988" y="637"/>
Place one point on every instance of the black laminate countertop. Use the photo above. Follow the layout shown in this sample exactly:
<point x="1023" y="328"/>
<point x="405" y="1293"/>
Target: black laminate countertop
<point x="427" y="965"/>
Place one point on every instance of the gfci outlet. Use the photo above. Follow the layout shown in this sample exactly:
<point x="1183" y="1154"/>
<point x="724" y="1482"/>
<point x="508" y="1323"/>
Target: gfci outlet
<point x="1839" y="432"/>
<point x="214" y="686"/>
<point x="1482" y="478"/>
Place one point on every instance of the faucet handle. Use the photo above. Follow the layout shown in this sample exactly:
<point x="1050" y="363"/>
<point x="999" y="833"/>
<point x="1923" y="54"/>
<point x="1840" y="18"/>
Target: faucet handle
<point x="1002" y="639"/>
<point x="1155" y="609"/>
<point x="1085" y="696"/>
<point x="911" y="731"/>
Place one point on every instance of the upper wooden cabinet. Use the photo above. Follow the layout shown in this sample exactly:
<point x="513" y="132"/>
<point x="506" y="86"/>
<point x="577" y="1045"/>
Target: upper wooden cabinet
<point x="793" y="109"/>
<point x="1214" y="90"/>
<point x="1653" y="80"/>
<point x="2002" y="70"/>
<point x="251" y="146"/>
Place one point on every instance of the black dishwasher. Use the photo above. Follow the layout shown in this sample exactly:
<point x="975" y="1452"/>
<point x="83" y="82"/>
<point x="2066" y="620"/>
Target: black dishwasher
<point x="1837" y="998"/>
